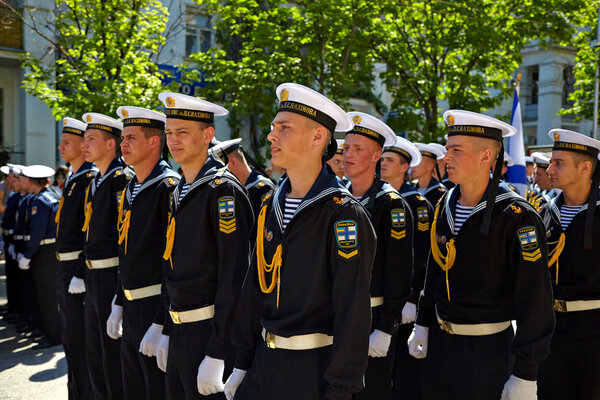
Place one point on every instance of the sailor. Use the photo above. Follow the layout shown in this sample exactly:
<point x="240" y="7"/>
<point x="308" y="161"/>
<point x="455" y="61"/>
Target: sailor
<point x="423" y="173"/>
<point x="11" y="313"/>
<point x="337" y="162"/>
<point x="545" y="192"/>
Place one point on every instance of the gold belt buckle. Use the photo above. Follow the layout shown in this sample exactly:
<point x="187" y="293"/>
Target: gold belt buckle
<point x="127" y="294"/>
<point x="175" y="317"/>
<point x="560" y="305"/>
<point x="446" y="326"/>
<point x="88" y="263"/>
<point x="270" y="340"/>
<point x="58" y="256"/>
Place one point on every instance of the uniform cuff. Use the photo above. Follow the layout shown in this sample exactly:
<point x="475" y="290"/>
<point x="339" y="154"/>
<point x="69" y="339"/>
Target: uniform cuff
<point x="243" y="359"/>
<point x="217" y="348"/>
<point x="526" y="369"/>
<point x="385" y="324"/>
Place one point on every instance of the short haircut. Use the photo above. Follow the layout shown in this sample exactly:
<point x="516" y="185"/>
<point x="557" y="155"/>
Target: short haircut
<point x="40" y="181"/>
<point x="237" y="154"/>
<point x="150" y="132"/>
<point x="494" y="145"/>
<point x="578" y="158"/>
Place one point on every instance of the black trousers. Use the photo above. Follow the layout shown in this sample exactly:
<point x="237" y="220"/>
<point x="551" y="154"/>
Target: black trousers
<point x="102" y="352"/>
<point x="43" y="268"/>
<point x="72" y="332"/>
<point x="379" y="376"/>
<point x="572" y="371"/>
<point x="461" y="367"/>
<point x="12" y="282"/>
<point x="142" y="379"/>
<point x="278" y="374"/>
<point x="187" y="346"/>
<point x="407" y="369"/>
<point x="27" y="295"/>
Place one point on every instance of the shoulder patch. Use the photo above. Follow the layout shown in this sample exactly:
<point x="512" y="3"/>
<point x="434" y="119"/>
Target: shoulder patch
<point x="422" y="219"/>
<point x="340" y="200"/>
<point x="529" y="244"/>
<point x="393" y="196"/>
<point x="226" y="207"/>
<point x="419" y="197"/>
<point x="260" y="184"/>
<point x="88" y="175"/>
<point x="347" y="238"/>
<point x="398" y="217"/>
<point x="33" y="210"/>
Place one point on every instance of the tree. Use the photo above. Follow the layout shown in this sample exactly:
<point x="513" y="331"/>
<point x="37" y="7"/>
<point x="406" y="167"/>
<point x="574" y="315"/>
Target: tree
<point x="104" y="56"/>
<point x="319" y="43"/>
<point x="462" y="52"/>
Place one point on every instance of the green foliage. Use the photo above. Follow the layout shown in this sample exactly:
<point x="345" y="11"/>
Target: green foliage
<point x="104" y="51"/>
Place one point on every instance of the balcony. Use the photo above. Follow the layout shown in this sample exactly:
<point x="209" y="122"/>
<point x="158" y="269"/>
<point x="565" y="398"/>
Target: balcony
<point x="11" y="29"/>
<point x="531" y="112"/>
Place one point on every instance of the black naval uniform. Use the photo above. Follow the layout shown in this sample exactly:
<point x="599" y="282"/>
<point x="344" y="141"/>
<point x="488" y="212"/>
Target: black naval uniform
<point x="571" y="370"/>
<point x="327" y="255"/>
<point x="495" y="278"/>
<point x="69" y="244"/>
<point x="141" y="269"/>
<point x="407" y="369"/>
<point x="103" y="355"/>
<point x="257" y="186"/>
<point x="11" y="265"/>
<point x="207" y="263"/>
<point x="390" y="279"/>
<point x="41" y="249"/>
<point x="434" y="192"/>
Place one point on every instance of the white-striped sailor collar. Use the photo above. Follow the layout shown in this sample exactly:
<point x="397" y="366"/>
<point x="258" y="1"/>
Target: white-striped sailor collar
<point x="384" y="188"/>
<point x="84" y="169"/>
<point x="210" y="170"/>
<point x="45" y="194"/>
<point x="407" y="190"/>
<point x="434" y="184"/>
<point x="559" y="200"/>
<point x="254" y="178"/>
<point x="504" y="193"/>
<point x="115" y="165"/>
<point x="160" y="171"/>
<point x="325" y="186"/>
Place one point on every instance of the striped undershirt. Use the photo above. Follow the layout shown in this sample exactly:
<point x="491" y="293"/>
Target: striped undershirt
<point x="291" y="205"/>
<point x="136" y="189"/>
<point x="566" y="215"/>
<point x="462" y="213"/>
<point x="184" y="190"/>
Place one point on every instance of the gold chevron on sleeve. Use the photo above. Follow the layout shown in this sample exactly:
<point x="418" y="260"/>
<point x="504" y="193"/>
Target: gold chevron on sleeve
<point x="227" y="226"/>
<point x="398" y="234"/>
<point x="348" y="255"/>
<point x="532" y="255"/>
<point x="423" y="226"/>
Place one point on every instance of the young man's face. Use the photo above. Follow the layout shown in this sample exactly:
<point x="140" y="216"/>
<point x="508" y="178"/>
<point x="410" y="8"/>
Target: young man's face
<point x="135" y="146"/>
<point x="291" y="139"/>
<point x="463" y="159"/>
<point x="17" y="185"/>
<point x="337" y="165"/>
<point x="424" y="169"/>
<point x="95" y="147"/>
<point x="360" y="154"/>
<point x="70" y="147"/>
<point x="392" y="166"/>
<point x="563" y="170"/>
<point x="540" y="176"/>
<point x="188" y="140"/>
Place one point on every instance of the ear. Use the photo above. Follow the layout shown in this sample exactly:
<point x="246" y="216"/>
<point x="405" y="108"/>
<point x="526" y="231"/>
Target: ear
<point x="404" y="167"/>
<point x="209" y="134"/>
<point x="376" y="155"/>
<point x="585" y="168"/>
<point x="154" y="141"/>
<point x="320" y="136"/>
<point x="485" y="157"/>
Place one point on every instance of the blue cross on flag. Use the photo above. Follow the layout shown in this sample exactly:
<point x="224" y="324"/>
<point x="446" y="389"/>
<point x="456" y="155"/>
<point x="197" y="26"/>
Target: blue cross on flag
<point x="398" y="218"/>
<point x="226" y="207"/>
<point x="528" y="238"/>
<point x="346" y="233"/>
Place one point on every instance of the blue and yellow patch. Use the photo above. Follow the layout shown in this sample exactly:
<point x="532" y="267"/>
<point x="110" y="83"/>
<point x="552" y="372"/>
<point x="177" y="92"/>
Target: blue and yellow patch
<point x="398" y="218"/>
<point x="347" y="238"/>
<point x="227" y="223"/>
<point x="422" y="219"/>
<point x="529" y="244"/>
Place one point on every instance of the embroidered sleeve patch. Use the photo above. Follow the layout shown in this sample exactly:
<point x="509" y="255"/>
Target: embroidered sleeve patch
<point x="422" y="219"/>
<point x="347" y="238"/>
<point x="529" y="244"/>
<point x="398" y="218"/>
<point x="227" y="214"/>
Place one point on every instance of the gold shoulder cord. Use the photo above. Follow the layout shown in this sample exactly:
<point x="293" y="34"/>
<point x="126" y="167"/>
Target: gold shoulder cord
<point x="123" y="222"/>
<point x="556" y="252"/>
<point x="170" y="239"/>
<point x="261" y="262"/>
<point x="57" y="216"/>
<point x="87" y="207"/>
<point x="444" y="262"/>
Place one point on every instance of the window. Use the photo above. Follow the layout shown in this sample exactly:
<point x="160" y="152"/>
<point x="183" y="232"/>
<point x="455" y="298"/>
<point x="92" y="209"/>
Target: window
<point x="198" y="33"/>
<point x="568" y="86"/>
<point x="534" y="77"/>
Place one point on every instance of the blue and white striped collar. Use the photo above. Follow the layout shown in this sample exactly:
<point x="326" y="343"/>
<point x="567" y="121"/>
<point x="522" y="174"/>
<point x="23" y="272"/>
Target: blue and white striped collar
<point x="209" y="171"/>
<point x="254" y="178"/>
<point x="160" y="171"/>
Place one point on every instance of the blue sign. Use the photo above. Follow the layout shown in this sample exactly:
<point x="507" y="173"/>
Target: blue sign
<point x="176" y="74"/>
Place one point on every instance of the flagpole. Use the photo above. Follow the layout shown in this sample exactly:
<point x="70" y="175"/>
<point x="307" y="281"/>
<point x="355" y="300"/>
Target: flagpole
<point x="596" y="81"/>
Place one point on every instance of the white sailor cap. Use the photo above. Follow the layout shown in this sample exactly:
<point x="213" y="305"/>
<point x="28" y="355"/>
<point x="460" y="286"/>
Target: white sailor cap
<point x="38" y="171"/>
<point x="406" y="149"/>
<point x="14" y="168"/>
<point x="137" y="116"/>
<point x="541" y="159"/>
<point x="103" y="122"/>
<point x="181" y="106"/>
<point x="371" y="127"/>
<point x="508" y="160"/>
<point x="427" y="150"/>
<point x="340" y="146"/>
<point x="225" y="147"/>
<point x="528" y="160"/>
<point x="304" y="101"/>
<point x="467" y="123"/>
<point x="440" y="147"/>
<point x="573" y="141"/>
<point x="73" y="126"/>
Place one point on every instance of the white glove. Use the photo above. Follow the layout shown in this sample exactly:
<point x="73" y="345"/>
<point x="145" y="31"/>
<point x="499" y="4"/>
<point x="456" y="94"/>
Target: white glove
<point x="234" y="380"/>
<point x="150" y="341"/>
<point x="162" y="352"/>
<point x="409" y="313"/>
<point x="114" y="320"/>
<point x="417" y="342"/>
<point x="210" y="376"/>
<point x="519" y="389"/>
<point x="23" y="262"/>
<point x="11" y="251"/>
<point x="76" y="286"/>
<point x="379" y="343"/>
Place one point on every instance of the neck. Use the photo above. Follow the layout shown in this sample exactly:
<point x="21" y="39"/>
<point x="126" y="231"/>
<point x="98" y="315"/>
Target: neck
<point x="362" y="183"/>
<point x="191" y="170"/>
<point x="302" y="178"/>
<point x="144" y="168"/>
<point x="36" y="189"/>
<point x="423" y="181"/>
<point x="242" y="173"/>
<point x="577" y="194"/>
<point x="77" y="163"/>
<point x="396" y="182"/>
<point x="104" y="163"/>
<point x="472" y="191"/>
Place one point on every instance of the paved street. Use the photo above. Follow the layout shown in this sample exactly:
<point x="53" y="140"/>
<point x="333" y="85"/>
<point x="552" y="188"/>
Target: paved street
<point x="25" y="373"/>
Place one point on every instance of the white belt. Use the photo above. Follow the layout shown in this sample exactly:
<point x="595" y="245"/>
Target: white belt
<point x="47" y="241"/>
<point x="101" y="264"/>
<point x="576" y="305"/>
<point x="199" y="314"/>
<point x="72" y="255"/>
<point x="376" y="301"/>
<point x="298" y="342"/>
<point x="142" y="293"/>
<point x="472" y="329"/>
<point x="22" y="237"/>
<point x="7" y="231"/>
